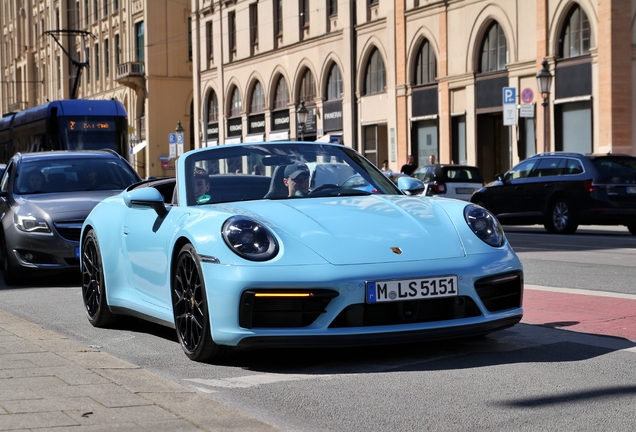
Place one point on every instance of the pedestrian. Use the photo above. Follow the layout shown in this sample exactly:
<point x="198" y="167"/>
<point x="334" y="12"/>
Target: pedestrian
<point x="385" y="167"/>
<point x="431" y="160"/>
<point x="409" y="166"/>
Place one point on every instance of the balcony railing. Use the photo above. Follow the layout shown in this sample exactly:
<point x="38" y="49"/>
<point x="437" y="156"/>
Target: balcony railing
<point x="130" y="69"/>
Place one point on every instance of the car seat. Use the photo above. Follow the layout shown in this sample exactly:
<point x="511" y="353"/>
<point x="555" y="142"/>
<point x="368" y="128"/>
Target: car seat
<point x="277" y="188"/>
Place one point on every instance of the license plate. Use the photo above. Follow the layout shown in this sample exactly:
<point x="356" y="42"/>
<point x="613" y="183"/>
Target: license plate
<point x="464" y="190"/>
<point x="631" y="189"/>
<point x="411" y="289"/>
<point x="77" y="255"/>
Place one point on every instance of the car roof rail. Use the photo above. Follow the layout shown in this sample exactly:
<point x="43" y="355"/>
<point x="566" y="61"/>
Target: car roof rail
<point x="560" y="153"/>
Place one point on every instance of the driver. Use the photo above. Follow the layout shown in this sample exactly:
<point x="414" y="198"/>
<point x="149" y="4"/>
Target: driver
<point x="201" y="185"/>
<point x="297" y="179"/>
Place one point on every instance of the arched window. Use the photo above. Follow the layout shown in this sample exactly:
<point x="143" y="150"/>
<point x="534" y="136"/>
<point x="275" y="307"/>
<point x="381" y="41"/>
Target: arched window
<point x="575" y="37"/>
<point x="307" y="88"/>
<point x="425" y="65"/>
<point x="213" y="108"/>
<point x="258" y="99"/>
<point x="494" y="51"/>
<point x="237" y="104"/>
<point x="334" y="83"/>
<point x="281" y="100"/>
<point x="375" y="78"/>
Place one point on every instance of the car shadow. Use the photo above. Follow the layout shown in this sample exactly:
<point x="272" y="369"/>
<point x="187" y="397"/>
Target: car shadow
<point x="499" y="348"/>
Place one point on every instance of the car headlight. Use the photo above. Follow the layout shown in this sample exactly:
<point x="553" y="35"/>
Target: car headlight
<point x="484" y="225"/>
<point x="249" y="239"/>
<point x="31" y="224"/>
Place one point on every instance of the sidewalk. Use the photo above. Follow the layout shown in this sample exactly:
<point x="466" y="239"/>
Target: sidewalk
<point x="48" y="381"/>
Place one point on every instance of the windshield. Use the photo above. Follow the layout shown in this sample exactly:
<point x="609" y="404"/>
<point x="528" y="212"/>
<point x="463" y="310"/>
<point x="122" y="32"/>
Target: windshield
<point x="280" y="171"/>
<point x="88" y="133"/>
<point x="69" y="175"/>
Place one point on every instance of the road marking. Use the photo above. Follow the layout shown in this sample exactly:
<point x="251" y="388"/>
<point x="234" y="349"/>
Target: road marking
<point x="253" y="380"/>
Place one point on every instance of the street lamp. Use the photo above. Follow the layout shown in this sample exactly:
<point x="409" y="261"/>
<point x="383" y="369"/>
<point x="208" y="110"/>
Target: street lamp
<point x="544" y="82"/>
<point x="301" y="115"/>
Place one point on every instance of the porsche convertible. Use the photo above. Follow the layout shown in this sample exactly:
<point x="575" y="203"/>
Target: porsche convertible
<point x="263" y="245"/>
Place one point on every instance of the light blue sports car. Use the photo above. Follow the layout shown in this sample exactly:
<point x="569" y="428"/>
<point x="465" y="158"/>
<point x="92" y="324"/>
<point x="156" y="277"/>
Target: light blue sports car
<point x="261" y="244"/>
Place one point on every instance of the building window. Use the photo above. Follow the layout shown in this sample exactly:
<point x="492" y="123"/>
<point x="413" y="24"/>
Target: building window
<point x="106" y="57"/>
<point x="189" y="39"/>
<point x="231" y="17"/>
<point x="375" y="77"/>
<point x="105" y="3"/>
<point x="253" y="27"/>
<point x="334" y="83"/>
<point x="95" y="10"/>
<point x="575" y="37"/>
<point x="117" y="50"/>
<point x="139" y="42"/>
<point x="97" y="61"/>
<point x="213" y="108"/>
<point x="494" y="51"/>
<point x="425" y="65"/>
<point x="282" y="95"/>
<point x="332" y="8"/>
<point x="86" y="13"/>
<point x="307" y="88"/>
<point x="208" y="41"/>
<point x="235" y="108"/>
<point x="278" y="18"/>
<point x="303" y="8"/>
<point x="115" y="5"/>
<point x="58" y="66"/>
<point x="258" y="99"/>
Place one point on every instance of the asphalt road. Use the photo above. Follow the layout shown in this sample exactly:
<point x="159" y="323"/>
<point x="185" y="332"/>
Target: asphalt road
<point x="531" y="377"/>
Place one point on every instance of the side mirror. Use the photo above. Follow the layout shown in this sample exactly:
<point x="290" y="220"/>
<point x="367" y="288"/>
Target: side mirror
<point x="410" y="185"/>
<point x="146" y="197"/>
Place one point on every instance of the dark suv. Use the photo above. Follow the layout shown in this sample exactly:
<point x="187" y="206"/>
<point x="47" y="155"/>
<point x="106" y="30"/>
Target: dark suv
<point x="562" y="190"/>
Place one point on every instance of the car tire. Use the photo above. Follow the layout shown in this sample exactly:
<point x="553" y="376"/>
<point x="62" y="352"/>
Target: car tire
<point x="632" y="228"/>
<point x="560" y="218"/>
<point x="190" y="308"/>
<point x="10" y="274"/>
<point x="93" y="284"/>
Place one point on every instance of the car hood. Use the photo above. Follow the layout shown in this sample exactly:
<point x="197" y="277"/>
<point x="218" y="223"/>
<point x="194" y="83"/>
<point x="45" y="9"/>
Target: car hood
<point x="367" y="229"/>
<point x="63" y="205"/>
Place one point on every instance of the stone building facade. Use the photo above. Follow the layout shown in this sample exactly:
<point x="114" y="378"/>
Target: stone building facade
<point x="398" y="77"/>
<point x="138" y="52"/>
<point x="387" y="77"/>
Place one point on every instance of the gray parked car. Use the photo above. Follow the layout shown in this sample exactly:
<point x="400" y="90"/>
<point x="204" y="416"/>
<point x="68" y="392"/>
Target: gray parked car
<point x="44" y="199"/>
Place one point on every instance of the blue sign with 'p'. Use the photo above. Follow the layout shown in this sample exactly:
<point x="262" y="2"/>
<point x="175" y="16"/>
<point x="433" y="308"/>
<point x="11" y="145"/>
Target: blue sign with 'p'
<point x="509" y="95"/>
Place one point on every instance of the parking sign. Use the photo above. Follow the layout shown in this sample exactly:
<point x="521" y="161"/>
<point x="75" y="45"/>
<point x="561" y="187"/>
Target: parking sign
<point x="509" y="106"/>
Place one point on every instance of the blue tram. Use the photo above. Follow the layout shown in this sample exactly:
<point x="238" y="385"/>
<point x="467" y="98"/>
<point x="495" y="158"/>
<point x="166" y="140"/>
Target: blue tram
<point x="66" y="125"/>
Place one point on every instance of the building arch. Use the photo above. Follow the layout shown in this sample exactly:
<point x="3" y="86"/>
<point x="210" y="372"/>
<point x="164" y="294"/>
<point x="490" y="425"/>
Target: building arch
<point x="423" y="36"/>
<point x="559" y="18"/>
<point x="331" y="60"/>
<point x="372" y="44"/>
<point x="278" y="73"/>
<point x="482" y="23"/>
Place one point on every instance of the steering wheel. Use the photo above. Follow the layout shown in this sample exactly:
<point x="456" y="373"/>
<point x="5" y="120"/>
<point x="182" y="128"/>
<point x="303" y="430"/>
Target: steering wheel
<point x="323" y="188"/>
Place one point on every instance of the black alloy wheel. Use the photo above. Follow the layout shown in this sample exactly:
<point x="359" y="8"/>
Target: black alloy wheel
<point x="93" y="287"/>
<point x="560" y="218"/>
<point x="190" y="308"/>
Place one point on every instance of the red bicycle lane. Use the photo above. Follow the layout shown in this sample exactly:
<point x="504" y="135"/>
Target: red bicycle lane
<point x="595" y="312"/>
